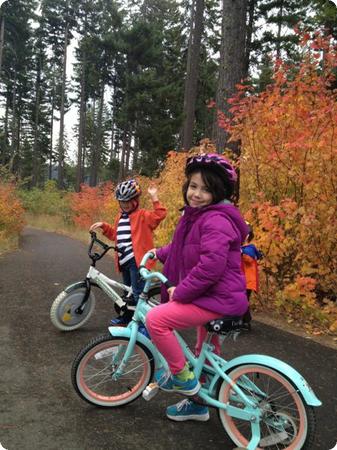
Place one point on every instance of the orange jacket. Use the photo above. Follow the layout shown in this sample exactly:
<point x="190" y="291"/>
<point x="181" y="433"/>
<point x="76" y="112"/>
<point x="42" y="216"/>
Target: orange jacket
<point x="143" y="222"/>
<point x="250" y="269"/>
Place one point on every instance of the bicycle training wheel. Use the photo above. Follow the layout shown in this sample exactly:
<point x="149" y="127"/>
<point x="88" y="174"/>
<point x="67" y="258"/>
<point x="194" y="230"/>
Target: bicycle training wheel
<point x="63" y="310"/>
<point x="287" y="422"/>
<point x="95" y="364"/>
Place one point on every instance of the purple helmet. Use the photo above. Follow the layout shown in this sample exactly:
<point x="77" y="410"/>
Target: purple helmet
<point x="127" y="190"/>
<point x="214" y="161"/>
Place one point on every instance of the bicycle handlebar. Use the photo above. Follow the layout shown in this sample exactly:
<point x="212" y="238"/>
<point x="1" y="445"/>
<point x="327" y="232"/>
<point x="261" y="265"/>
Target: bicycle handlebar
<point x="148" y="275"/>
<point x="94" y="240"/>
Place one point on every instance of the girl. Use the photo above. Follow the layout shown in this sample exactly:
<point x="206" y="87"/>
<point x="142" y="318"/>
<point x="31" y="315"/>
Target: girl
<point x="250" y="257"/>
<point x="203" y="262"/>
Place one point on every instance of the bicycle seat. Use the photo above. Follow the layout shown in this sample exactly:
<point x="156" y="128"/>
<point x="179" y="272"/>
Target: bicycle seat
<point x="225" y="324"/>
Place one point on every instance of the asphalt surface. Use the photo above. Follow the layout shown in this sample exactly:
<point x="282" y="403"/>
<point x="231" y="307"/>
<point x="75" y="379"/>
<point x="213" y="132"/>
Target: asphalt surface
<point x="39" y="409"/>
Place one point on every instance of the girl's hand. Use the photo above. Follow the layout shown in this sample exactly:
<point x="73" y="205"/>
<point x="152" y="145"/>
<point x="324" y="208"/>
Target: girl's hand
<point x="96" y="225"/>
<point x="170" y="292"/>
<point x="153" y="192"/>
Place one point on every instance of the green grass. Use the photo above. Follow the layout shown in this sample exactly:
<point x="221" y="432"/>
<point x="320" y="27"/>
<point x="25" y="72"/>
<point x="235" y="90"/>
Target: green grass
<point x="9" y="244"/>
<point x="56" y="224"/>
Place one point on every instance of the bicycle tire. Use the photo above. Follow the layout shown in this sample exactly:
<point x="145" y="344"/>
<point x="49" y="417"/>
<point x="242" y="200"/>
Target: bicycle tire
<point x="298" y="419"/>
<point x="92" y="370"/>
<point x="63" y="310"/>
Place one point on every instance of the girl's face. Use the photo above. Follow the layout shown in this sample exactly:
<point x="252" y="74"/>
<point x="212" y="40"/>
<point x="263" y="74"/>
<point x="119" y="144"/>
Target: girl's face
<point x="198" y="194"/>
<point x="127" y="206"/>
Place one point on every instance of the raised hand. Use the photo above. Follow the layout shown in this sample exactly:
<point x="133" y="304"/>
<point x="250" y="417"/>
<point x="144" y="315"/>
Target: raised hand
<point x="153" y="192"/>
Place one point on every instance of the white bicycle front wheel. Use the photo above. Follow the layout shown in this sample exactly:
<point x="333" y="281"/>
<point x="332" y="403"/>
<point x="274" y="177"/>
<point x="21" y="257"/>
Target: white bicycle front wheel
<point x="63" y="310"/>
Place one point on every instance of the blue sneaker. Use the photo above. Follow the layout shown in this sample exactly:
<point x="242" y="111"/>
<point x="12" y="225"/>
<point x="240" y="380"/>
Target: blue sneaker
<point x="142" y="329"/>
<point x="171" y="383"/>
<point x="187" y="410"/>
<point x="120" y="321"/>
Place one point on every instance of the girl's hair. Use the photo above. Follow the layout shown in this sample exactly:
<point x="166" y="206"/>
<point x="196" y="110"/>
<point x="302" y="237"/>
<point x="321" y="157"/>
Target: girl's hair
<point x="220" y="188"/>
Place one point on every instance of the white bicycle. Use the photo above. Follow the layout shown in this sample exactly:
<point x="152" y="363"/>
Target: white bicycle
<point x="74" y="306"/>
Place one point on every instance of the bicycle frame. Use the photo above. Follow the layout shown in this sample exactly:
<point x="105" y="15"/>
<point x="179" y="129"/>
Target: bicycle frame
<point x="216" y="366"/>
<point x="107" y="284"/>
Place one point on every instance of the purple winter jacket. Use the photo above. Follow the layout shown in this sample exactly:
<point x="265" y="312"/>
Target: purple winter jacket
<point x="203" y="260"/>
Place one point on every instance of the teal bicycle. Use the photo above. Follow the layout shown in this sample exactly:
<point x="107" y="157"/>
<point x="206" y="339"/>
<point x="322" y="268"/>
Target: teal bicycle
<point x="262" y="402"/>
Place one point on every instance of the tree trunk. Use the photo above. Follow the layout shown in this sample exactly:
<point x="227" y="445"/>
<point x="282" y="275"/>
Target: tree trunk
<point x="232" y="62"/>
<point x="279" y="30"/>
<point x="5" y="150"/>
<point x="122" y="171"/>
<point x="81" y="131"/>
<point x="251" y="11"/>
<point x="113" y="153"/>
<point x="135" y="148"/>
<point x="61" y="150"/>
<point x="97" y="145"/>
<point x="51" y="132"/>
<point x="2" y="39"/>
<point x="13" y="148"/>
<point x="36" y="159"/>
<point x="192" y="72"/>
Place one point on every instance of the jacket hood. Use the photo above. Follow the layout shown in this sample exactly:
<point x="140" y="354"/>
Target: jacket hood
<point x="230" y="211"/>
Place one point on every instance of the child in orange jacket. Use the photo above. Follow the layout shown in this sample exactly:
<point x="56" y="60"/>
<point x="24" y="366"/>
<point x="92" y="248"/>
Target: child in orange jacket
<point x="132" y="232"/>
<point x="250" y="255"/>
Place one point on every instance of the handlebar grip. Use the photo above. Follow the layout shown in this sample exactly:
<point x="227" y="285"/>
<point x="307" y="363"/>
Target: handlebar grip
<point x="168" y="284"/>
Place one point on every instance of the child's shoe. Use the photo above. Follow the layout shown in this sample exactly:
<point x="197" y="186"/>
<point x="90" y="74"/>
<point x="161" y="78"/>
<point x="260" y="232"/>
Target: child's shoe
<point x="120" y="321"/>
<point x="187" y="410"/>
<point x="143" y="330"/>
<point x="183" y="382"/>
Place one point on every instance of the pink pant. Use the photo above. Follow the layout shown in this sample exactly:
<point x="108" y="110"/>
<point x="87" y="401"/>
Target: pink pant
<point x="163" y="319"/>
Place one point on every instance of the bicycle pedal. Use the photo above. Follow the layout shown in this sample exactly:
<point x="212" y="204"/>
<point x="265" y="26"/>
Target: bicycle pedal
<point x="150" y="391"/>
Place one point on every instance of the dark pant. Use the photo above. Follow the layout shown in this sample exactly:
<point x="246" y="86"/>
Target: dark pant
<point x="247" y="316"/>
<point x="132" y="278"/>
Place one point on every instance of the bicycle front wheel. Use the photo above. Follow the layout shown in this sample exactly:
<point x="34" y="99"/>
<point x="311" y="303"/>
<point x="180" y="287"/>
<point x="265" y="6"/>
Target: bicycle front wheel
<point x="63" y="310"/>
<point x="287" y="422"/>
<point x="94" y="367"/>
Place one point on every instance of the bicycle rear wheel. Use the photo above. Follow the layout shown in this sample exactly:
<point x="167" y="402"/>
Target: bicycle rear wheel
<point x="287" y="422"/>
<point x="95" y="365"/>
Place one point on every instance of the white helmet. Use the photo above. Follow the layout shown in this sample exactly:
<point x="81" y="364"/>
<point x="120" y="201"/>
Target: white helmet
<point x="127" y="190"/>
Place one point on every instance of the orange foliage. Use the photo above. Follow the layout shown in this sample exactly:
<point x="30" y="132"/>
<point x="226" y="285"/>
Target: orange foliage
<point x="11" y="212"/>
<point x="89" y="205"/>
<point x="289" y="183"/>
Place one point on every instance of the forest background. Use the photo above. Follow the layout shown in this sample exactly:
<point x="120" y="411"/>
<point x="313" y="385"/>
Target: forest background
<point x="155" y="79"/>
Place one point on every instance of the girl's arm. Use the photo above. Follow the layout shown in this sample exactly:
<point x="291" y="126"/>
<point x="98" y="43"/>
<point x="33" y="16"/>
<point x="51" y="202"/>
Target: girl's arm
<point x="109" y="231"/>
<point x="163" y="252"/>
<point x="214" y="247"/>
<point x="154" y="217"/>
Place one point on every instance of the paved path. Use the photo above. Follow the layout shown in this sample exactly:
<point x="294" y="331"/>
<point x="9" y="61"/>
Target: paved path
<point x="39" y="409"/>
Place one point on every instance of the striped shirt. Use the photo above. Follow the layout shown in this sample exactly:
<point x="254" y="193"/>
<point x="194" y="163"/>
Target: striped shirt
<point x="124" y="241"/>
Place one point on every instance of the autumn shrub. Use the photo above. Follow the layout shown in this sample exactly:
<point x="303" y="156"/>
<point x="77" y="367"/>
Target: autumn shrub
<point x="11" y="212"/>
<point x="289" y="183"/>
<point x="92" y="204"/>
